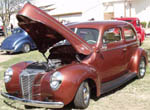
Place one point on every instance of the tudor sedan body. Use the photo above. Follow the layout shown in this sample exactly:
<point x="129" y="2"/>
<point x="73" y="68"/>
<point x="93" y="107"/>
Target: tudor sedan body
<point x="89" y="58"/>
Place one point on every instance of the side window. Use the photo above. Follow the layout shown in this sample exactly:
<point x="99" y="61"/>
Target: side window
<point x="112" y="35"/>
<point x="137" y="22"/>
<point x="129" y="33"/>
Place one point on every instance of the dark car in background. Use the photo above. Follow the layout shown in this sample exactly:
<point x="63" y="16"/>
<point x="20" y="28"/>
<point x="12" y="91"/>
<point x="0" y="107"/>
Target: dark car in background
<point x="19" y="41"/>
<point x="1" y="31"/>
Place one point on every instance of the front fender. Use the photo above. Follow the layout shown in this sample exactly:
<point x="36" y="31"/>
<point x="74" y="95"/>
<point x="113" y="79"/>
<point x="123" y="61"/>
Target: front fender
<point x="139" y="36"/>
<point x="73" y="75"/>
<point x="135" y="60"/>
<point x="13" y="86"/>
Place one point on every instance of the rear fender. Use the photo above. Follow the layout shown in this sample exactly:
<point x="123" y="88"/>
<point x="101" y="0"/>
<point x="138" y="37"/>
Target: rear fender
<point x="19" y="46"/>
<point x="135" y="59"/>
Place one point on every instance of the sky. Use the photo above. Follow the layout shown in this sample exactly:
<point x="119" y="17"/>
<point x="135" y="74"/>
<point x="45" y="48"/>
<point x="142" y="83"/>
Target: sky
<point x="65" y="6"/>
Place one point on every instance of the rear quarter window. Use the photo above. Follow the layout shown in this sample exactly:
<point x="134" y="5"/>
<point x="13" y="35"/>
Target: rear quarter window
<point x="129" y="33"/>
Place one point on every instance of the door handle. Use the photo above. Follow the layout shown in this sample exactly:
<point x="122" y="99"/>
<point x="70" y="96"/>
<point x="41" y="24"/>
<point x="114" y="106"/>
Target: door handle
<point x="124" y="49"/>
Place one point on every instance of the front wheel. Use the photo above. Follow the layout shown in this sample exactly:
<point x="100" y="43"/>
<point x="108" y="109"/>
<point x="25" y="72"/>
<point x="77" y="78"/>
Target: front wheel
<point x="82" y="97"/>
<point x="142" y="68"/>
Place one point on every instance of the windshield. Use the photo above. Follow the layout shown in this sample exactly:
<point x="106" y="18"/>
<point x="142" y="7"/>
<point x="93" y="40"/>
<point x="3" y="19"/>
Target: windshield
<point x="90" y="35"/>
<point x="17" y="30"/>
<point x="130" y="21"/>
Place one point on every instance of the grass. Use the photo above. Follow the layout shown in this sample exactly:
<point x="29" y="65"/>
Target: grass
<point x="32" y="56"/>
<point x="133" y="96"/>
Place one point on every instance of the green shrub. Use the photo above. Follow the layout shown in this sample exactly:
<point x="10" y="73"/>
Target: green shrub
<point x="149" y="24"/>
<point x="143" y="24"/>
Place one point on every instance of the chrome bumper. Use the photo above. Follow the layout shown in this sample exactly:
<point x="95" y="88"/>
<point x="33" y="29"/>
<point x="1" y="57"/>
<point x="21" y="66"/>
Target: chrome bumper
<point x="34" y="103"/>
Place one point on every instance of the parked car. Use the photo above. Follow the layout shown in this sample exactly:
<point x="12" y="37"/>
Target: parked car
<point x="137" y="25"/>
<point x="1" y="31"/>
<point x="19" y="41"/>
<point x="92" y="59"/>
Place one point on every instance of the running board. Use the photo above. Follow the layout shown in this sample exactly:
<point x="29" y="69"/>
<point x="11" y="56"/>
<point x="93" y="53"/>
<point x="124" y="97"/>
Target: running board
<point x="108" y="86"/>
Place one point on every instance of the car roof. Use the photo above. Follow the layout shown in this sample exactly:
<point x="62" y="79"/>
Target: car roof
<point x="97" y="24"/>
<point x="128" y="18"/>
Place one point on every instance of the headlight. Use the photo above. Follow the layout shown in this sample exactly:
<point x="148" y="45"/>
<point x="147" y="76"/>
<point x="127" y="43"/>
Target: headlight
<point x="56" y="80"/>
<point x="7" y="75"/>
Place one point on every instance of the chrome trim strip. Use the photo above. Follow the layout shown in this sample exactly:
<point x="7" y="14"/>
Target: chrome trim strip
<point x="36" y="85"/>
<point x="32" y="102"/>
<point x="36" y="95"/>
<point x="131" y="44"/>
<point x="119" y="47"/>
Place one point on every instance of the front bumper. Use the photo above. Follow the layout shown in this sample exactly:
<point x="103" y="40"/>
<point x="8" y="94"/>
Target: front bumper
<point x="34" y="103"/>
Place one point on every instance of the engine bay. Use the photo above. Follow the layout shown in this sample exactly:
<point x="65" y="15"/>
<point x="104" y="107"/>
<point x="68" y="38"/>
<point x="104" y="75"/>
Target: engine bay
<point x="59" y="55"/>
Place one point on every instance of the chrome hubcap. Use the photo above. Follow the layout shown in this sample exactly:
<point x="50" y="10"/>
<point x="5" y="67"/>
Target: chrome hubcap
<point x="142" y="68"/>
<point x="27" y="48"/>
<point x="86" y="93"/>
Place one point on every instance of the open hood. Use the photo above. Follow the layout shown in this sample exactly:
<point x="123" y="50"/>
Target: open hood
<point x="46" y="31"/>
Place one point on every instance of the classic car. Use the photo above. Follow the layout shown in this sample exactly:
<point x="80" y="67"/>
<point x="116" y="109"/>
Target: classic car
<point x="19" y="41"/>
<point x="85" y="60"/>
<point x="137" y="25"/>
<point x="1" y="30"/>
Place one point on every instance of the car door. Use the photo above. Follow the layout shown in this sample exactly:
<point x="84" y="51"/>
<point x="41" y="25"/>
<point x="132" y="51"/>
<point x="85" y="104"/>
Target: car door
<point x="114" y="54"/>
<point x="130" y="41"/>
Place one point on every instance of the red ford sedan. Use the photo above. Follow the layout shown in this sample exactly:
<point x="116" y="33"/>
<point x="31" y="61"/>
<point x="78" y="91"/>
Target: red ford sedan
<point x="85" y="59"/>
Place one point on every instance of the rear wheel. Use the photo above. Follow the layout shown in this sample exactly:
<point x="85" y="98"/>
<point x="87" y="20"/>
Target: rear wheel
<point x="142" y="68"/>
<point x="82" y="97"/>
<point x="26" y="48"/>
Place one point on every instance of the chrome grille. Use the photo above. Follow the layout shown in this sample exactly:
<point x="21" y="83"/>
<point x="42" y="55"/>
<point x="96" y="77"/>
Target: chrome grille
<point x="26" y="79"/>
<point x="26" y="83"/>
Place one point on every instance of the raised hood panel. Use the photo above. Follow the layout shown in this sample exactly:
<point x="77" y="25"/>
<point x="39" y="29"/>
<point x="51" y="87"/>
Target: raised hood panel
<point x="46" y="31"/>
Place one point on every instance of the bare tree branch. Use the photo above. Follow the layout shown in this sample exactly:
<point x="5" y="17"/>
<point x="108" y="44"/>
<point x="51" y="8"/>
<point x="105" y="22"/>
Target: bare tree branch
<point x="7" y="8"/>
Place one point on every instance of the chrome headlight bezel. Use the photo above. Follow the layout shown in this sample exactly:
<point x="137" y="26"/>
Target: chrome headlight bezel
<point x="56" y="80"/>
<point x="8" y="75"/>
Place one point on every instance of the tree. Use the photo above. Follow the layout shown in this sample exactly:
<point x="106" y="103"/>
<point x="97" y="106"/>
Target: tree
<point x="7" y="8"/>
